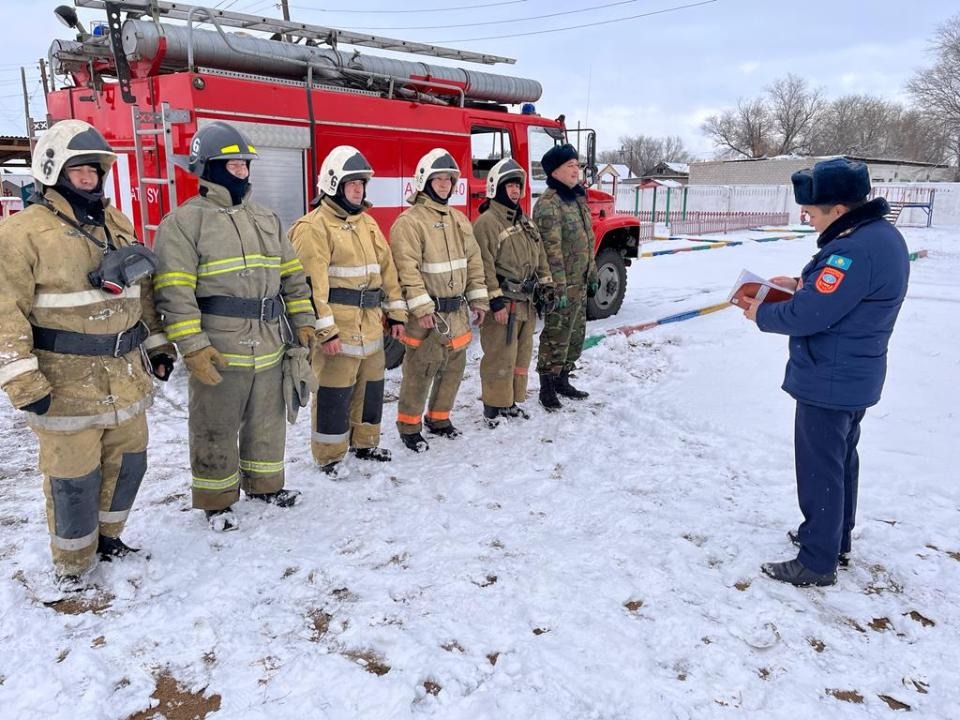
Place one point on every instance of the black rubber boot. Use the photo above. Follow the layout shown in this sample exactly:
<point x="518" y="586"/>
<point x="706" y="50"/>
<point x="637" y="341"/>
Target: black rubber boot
<point x="548" y="392"/>
<point x="793" y="572"/>
<point x="377" y="454"/>
<point x="281" y="498"/>
<point x="515" y="411"/>
<point x="109" y="548"/>
<point x="564" y="388"/>
<point x="843" y="559"/>
<point x="415" y="442"/>
<point x="491" y="415"/>
<point x="447" y="431"/>
<point x="222" y="520"/>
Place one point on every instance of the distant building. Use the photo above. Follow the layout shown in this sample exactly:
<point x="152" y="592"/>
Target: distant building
<point x="777" y="170"/>
<point x="678" y="172"/>
<point x="611" y="175"/>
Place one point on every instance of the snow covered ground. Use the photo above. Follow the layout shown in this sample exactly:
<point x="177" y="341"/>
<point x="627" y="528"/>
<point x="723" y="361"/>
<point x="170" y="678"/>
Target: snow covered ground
<point x="601" y="563"/>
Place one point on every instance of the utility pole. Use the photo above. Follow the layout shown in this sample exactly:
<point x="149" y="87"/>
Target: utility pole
<point x="285" y="9"/>
<point x="26" y="106"/>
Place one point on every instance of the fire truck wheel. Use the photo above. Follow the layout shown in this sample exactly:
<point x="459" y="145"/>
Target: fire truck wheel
<point x="612" y="273"/>
<point x="392" y="350"/>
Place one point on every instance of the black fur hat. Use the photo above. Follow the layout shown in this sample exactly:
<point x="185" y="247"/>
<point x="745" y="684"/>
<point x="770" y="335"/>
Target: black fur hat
<point x="831" y="182"/>
<point x="557" y="156"/>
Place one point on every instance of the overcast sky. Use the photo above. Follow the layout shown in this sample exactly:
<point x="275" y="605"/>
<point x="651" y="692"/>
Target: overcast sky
<point x="655" y="75"/>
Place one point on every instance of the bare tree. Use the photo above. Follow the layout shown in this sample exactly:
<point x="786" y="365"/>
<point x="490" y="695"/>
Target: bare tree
<point x="746" y="131"/>
<point x="937" y="89"/>
<point x="642" y="153"/>
<point x="794" y="110"/>
<point x="855" y="125"/>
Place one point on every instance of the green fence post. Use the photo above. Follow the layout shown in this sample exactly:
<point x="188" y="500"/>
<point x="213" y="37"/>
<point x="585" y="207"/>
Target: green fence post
<point x="667" y="218"/>
<point x="683" y="216"/>
<point x="653" y="210"/>
<point x="636" y="201"/>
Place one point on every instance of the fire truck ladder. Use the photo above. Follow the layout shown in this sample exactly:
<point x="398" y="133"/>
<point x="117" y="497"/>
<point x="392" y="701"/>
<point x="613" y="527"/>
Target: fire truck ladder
<point x="147" y="123"/>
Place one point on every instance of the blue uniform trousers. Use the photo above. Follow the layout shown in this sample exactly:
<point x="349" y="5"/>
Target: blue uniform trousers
<point x="828" y="467"/>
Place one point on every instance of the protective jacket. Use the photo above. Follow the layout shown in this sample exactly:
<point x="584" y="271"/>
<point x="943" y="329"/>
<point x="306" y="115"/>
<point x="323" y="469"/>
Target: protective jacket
<point x="841" y="318"/>
<point x="43" y="284"/>
<point x="437" y="256"/>
<point x="340" y="250"/>
<point x="516" y="254"/>
<point x="563" y="218"/>
<point x="209" y="247"/>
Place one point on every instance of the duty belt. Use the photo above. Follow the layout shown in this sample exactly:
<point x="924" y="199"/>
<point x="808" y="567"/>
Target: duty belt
<point x="74" y="343"/>
<point x="356" y="298"/>
<point x="264" y="309"/>
<point x="521" y="287"/>
<point x="448" y="304"/>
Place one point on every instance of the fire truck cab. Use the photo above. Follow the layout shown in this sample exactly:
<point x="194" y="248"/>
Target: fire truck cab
<point x="148" y="84"/>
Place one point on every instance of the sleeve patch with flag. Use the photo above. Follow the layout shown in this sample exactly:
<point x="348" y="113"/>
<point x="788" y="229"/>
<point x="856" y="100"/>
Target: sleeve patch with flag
<point x="839" y="262"/>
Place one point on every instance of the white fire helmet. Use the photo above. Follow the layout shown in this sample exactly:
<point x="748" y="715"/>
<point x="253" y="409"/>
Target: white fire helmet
<point x="433" y="163"/>
<point x="343" y="164"/>
<point x="67" y="144"/>
<point x="506" y="169"/>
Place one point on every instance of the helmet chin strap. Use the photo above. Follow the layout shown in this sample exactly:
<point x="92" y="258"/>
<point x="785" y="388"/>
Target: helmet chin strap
<point x="87" y="204"/>
<point x="432" y="194"/>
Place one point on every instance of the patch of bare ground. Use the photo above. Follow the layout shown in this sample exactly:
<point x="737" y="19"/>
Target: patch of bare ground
<point x="850" y="696"/>
<point x="486" y="582"/>
<point x="493" y="657"/>
<point x="432" y="688"/>
<point x="763" y="673"/>
<point x="925" y="621"/>
<point x="919" y="685"/>
<point x="319" y="623"/>
<point x="540" y="631"/>
<point x="816" y="644"/>
<point x="742" y="585"/>
<point x="453" y="646"/>
<point x="79" y="604"/>
<point x="880" y="624"/>
<point x="893" y="703"/>
<point x="176" y="702"/>
<point x="633" y="605"/>
<point x="98" y="641"/>
<point x="368" y="660"/>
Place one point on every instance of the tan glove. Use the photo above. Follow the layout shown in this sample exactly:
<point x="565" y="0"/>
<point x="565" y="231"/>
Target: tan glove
<point x="307" y="336"/>
<point x="203" y="364"/>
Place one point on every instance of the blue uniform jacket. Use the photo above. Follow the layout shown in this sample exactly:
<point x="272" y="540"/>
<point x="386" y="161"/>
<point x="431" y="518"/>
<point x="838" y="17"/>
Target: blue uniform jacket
<point x="840" y="320"/>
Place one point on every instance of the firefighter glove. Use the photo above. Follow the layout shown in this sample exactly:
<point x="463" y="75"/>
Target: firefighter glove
<point x="307" y="336"/>
<point x="592" y="288"/>
<point x="164" y="362"/>
<point x="203" y="364"/>
<point x="38" y="407"/>
<point x="498" y="303"/>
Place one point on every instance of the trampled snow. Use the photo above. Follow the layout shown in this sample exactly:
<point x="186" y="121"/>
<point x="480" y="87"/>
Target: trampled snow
<point x="599" y="563"/>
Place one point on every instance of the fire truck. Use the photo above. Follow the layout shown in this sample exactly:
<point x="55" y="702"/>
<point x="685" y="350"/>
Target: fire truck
<point x="150" y="76"/>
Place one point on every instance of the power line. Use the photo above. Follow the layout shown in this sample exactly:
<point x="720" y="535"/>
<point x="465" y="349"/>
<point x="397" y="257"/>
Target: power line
<point x="578" y="27"/>
<point x="428" y="10"/>
<point x="493" y="22"/>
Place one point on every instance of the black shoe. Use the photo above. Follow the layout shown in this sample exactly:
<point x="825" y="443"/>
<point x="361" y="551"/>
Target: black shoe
<point x="378" y="454"/>
<point x="222" y="520"/>
<point x="447" y="431"/>
<point x="335" y="470"/>
<point x="563" y="387"/>
<point x="281" y="498"/>
<point x="70" y="584"/>
<point x="548" y="392"/>
<point x="843" y="559"/>
<point x="415" y="442"/>
<point x="109" y="548"/>
<point x="515" y="411"/>
<point x="491" y="415"/>
<point x="793" y="572"/>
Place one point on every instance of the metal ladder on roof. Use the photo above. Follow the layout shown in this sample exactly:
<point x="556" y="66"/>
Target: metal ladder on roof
<point x="159" y="125"/>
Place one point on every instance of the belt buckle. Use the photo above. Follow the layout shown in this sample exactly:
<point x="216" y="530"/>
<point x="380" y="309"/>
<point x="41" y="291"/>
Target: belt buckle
<point x="265" y="305"/>
<point x="118" y="342"/>
<point x="362" y="292"/>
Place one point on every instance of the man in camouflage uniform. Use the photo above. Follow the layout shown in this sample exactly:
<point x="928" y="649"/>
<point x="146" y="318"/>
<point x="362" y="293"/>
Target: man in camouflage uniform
<point x="563" y="218"/>
<point x="227" y="281"/>
<point x="354" y="283"/>
<point x="515" y="263"/>
<point x="441" y="273"/>
<point x="72" y="348"/>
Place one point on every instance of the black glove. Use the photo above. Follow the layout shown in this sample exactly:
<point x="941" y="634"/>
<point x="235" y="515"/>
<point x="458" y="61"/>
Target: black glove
<point x="161" y="360"/>
<point x="548" y="294"/>
<point x="38" y="407"/>
<point x="498" y="303"/>
<point x="393" y="322"/>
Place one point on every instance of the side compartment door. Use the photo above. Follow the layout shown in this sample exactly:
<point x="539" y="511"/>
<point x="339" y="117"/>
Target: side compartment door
<point x="489" y="143"/>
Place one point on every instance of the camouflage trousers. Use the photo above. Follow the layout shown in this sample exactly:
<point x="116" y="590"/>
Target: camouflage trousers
<point x="237" y="436"/>
<point x="561" y="340"/>
<point x="348" y="404"/>
<point x="504" y="367"/>
<point x="90" y="480"/>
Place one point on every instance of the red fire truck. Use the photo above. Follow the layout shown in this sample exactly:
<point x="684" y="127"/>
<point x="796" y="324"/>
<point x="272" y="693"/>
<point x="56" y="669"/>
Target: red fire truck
<point x="149" y="77"/>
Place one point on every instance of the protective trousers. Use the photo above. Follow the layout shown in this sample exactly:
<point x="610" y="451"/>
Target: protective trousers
<point x="348" y="404"/>
<point x="434" y="368"/>
<point x="504" y="367"/>
<point x="828" y="470"/>
<point x="90" y="480"/>
<point x="247" y="404"/>
<point x="561" y="340"/>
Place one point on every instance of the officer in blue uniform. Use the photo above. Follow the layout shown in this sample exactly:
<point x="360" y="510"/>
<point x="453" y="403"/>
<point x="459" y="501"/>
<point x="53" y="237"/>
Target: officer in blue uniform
<point x="839" y="322"/>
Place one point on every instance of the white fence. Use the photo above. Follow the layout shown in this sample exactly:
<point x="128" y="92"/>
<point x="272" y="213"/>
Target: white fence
<point x="770" y="199"/>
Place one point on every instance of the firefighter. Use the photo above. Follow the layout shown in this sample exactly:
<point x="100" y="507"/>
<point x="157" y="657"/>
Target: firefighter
<point x="230" y="286"/>
<point x="441" y="273"/>
<point x="563" y="218"/>
<point x="79" y="335"/>
<point x="354" y="283"/>
<point x="515" y="264"/>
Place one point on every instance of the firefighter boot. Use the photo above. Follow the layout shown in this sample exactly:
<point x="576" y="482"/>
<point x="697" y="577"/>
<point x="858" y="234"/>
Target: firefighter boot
<point x="377" y="454"/>
<point x="335" y="470"/>
<point x="281" y="498"/>
<point x="109" y="548"/>
<point x="491" y="415"/>
<point x="447" y="431"/>
<point x="563" y="387"/>
<point x="515" y="411"/>
<point x="843" y="559"/>
<point x="548" y="392"/>
<point x="415" y="442"/>
<point x="222" y="520"/>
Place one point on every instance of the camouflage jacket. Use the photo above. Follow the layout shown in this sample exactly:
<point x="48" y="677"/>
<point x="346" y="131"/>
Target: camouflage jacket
<point x="567" y="235"/>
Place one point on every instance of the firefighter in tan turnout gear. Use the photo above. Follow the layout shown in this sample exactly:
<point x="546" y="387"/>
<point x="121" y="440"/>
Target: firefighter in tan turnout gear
<point x="515" y="264"/>
<point x="76" y="323"/>
<point x="354" y="283"/>
<point x="441" y="273"/>
<point x="229" y="286"/>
